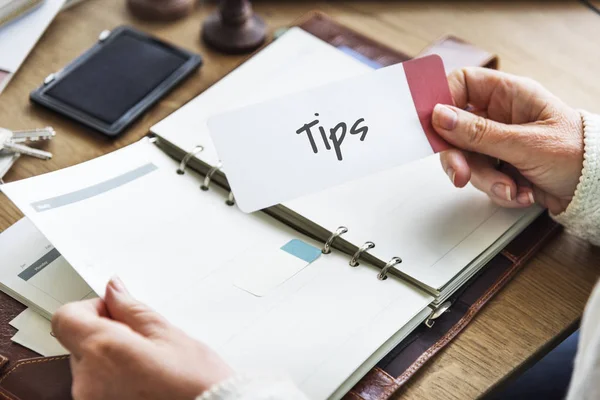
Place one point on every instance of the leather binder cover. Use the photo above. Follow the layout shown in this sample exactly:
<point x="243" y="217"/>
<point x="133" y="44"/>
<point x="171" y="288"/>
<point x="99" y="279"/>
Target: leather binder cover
<point x="26" y="378"/>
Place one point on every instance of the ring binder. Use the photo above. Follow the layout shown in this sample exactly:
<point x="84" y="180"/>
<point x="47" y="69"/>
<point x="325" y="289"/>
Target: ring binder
<point x="187" y="158"/>
<point x="383" y="274"/>
<point x="365" y="247"/>
<point x="230" y="199"/>
<point x="209" y="175"/>
<point x="327" y="246"/>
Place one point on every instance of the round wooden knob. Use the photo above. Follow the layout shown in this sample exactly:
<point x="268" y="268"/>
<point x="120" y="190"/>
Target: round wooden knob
<point x="160" y="10"/>
<point x="234" y="28"/>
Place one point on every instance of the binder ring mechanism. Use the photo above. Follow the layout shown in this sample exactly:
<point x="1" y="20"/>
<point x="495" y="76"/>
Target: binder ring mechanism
<point x="435" y="314"/>
<point x="205" y="185"/>
<point x="338" y="232"/>
<point x="187" y="158"/>
<point x="230" y="199"/>
<point x="384" y="271"/>
<point x="365" y="247"/>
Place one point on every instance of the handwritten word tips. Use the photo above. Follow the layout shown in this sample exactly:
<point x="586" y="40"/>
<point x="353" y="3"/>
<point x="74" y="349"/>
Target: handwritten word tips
<point x="336" y="136"/>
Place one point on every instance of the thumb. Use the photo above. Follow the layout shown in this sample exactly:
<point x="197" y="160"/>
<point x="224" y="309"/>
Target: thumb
<point x="123" y="308"/>
<point x="472" y="132"/>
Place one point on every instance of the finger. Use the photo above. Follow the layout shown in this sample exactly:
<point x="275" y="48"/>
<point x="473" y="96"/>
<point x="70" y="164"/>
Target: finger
<point x="124" y="308"/>
<point x="474" y="86"/>
<point x="499" y="94"/>
<point x="74" y="322"/>
<point x="455" y="164"/>
<point x="500" y="187"/>
<point x="525" y="196"/>
<point x="479" y="87"/>
<point x="552" y="203"/>
<point x="471" y="132"/>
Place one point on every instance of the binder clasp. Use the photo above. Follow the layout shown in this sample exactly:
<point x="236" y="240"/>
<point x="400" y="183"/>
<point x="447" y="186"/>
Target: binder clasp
<point x="365" y="247"/>
<point x="327" y="246"/>
<point x="230" y="199"/>
<point x="209" y="176"/>
<point x="390" y="264"/>
<point x="187" y="158"/>
<point x="435" y="314"/>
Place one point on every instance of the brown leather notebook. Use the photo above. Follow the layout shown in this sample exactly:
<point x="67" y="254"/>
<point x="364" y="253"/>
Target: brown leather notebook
<point x="49" y="378"/>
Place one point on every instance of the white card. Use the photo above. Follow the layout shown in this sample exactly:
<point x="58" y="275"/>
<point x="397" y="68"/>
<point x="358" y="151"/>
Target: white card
<point x="308" y="141"/>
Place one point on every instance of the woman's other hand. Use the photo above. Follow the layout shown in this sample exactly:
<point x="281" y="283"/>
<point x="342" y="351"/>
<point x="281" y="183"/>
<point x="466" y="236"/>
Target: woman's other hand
<point x="516" y="120"/>
<point x="121" y="349"/>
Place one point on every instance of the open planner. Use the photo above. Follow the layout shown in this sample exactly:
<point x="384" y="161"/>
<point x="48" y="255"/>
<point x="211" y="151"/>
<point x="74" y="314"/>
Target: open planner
<point x="319" y="288"/>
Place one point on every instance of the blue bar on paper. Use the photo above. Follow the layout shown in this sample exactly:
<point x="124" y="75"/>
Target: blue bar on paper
<point x="363" y="59"/>
<point x="302" y="250"/>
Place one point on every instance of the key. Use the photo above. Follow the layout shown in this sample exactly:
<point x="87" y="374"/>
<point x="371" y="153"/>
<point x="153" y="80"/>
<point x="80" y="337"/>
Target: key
<point x="7" y="145"/>
<point x="26" y="150"/>
<point x="33" y="135"/>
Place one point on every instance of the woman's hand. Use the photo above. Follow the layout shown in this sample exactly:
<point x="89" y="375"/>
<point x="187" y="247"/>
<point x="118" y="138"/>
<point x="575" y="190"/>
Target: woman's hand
<point x="121" y="349"/>
<point x="515" y="120"/>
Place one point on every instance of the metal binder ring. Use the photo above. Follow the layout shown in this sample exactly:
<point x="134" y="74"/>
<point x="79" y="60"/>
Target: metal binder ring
<point x="327" y="246"/>
<point x="209" y="175"/>
<point x="187" y="158"/>
<point x="365" y="247"/>
<point x="230" y="199"/>
<point x="383" y="274"/>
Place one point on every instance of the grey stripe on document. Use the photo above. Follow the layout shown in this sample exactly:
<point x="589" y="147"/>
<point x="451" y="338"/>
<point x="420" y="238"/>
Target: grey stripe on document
<point x="89" y="192"/>
<point x="39" y="265"/>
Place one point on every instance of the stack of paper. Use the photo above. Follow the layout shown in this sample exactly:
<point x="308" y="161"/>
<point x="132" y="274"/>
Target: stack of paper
<point x="18" y="37"/>
<point x="34" y="273"/>
<point x="6" y="161"/>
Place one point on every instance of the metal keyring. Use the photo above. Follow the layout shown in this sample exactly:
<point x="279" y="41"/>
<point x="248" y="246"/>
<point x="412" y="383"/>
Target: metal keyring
<point x="365" y="247"/>
<point x="209" y="175"/>
<point x="339" y="231"/>
<point x="187" y="158"/>
<point x="383" y="274"/>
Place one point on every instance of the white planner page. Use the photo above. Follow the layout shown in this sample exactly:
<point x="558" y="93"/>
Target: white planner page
<point x="414" y="212"/>
<point x="295" y="61"/>
<point x="181" y="250"/>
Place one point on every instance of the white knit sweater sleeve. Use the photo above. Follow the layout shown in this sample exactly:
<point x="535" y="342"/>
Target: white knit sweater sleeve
<point x="582" y="216"/>
<point x="254" y="387"/>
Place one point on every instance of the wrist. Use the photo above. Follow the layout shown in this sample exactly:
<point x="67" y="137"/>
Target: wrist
<point x="581" y="216"/>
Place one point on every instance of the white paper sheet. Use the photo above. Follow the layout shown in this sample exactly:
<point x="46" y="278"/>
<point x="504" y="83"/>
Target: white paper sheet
<point x="18" y="37"/>
<point x="7" y="161"/>
<point x="171" y="243"/>
<point x="35" y="333"/>
<point x="414" y="212"/>
<point x="34" y="272"/>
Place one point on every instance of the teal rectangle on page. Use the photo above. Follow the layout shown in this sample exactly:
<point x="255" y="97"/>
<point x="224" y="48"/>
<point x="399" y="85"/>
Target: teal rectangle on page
<point x="302" y="250"/>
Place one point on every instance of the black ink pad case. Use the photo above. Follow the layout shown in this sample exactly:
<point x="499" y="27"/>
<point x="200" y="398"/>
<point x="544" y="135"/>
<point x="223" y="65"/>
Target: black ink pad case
<point x="117" y="80"/>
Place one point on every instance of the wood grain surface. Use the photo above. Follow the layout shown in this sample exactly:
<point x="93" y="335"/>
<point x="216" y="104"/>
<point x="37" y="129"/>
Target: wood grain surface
<point x="555" y="43"/>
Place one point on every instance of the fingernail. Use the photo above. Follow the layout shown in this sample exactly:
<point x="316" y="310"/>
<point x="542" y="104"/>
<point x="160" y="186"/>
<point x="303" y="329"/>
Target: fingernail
<point x="502" y="191"/>
<point x="117" y="284"/>
<point x="451" y="174"/>
<point x="525" y="198"/>
<point x="445" y="117"/>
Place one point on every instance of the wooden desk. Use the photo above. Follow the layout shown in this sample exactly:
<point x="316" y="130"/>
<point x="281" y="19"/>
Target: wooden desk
<point x="555" y="43"/>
